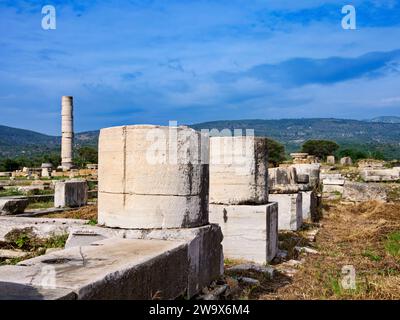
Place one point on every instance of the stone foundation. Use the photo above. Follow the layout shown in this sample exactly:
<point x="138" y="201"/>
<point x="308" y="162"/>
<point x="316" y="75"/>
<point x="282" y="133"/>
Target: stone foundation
<point x="310" y="205"/>
<point x="111" y="269"/>
<point x="70" y="194"/>
<point x="290" y="216"/>
<point x="250" y="232"/>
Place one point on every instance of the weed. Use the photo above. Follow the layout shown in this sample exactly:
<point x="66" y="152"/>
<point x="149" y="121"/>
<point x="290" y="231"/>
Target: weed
<point x="92" y="222"/>
<point x="392" y="244"/>
<point x="56" y="241"/>
<point x="372" y="255"/>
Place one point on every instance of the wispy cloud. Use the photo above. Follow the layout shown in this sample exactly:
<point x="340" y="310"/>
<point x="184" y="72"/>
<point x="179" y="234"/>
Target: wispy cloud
<point x="304" y="71"/>
<point x="150" y="61"/>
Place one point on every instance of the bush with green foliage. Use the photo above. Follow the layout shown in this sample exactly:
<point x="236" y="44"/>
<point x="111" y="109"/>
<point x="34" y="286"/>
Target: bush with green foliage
<point x="276" y="152"/>
<point x="86" y="155"/>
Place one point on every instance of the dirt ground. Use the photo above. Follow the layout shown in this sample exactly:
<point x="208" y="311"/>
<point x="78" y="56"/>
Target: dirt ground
<point x="365" y="236"/>
<point x="86" y="213"/>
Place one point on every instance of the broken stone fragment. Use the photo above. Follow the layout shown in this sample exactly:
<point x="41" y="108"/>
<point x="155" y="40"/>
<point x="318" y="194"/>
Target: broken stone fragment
<point x="249" y="281"/>
<point x="266" y="270"/>
<point x="9" y="206"/>
<point x="12" y="254"/>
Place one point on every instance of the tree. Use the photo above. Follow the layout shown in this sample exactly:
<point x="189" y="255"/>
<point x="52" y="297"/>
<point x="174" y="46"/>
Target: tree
<point x="86" y="155"/>
<point x="9" y="165"/>
<point x="320" y="148"/>
<point x="276" y="152"/>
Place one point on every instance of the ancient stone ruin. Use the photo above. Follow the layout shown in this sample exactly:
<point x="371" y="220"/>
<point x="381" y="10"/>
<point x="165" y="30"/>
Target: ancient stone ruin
<point x="157" y="242"/>
<point x="239" y="198"/>
<point x="67" y="127"/>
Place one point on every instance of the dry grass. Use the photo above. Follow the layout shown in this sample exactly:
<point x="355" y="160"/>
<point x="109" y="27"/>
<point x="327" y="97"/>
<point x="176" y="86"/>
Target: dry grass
<point x="86" y="213"/>
<point x="354" y="235"/>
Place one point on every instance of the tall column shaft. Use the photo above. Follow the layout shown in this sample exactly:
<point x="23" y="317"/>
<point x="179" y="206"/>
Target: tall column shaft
<point x="67" y="129"/>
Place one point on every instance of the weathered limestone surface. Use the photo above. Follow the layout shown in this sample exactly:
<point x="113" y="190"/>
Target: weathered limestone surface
<point x="67" y="128"/>
<point x="5" y="174"/>
<point x="286" y="179"/>
<point x="310" y="205"/>
<point x="238" y="170"/>
<point x="30" y="189"/>
<point x="10" y="206"/>
<point x="40" y="227"/>
<point x="359" y="191"/>
<point x="380" y="175"/>
<point x="330" y="160"/>
<point x="312" y="170"/>
<point x="143" y="188"/>
<point x="204" y="243"/>
<point x="73" y="193"/>
<point x="110" y="269"/>
<point x="281" y="177"/>
<point x="250" y="232"/>
<point x="332" y="188"/>
<point x="290" y="207"/>
<point x="17" y="291"/>
<point x="333" y="182"/>
<point x="346" y="161"/>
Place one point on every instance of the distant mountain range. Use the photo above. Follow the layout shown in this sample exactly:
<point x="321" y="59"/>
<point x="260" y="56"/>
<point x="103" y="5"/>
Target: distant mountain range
<point x="382" y="134"/>
<point x="386" y="119"/>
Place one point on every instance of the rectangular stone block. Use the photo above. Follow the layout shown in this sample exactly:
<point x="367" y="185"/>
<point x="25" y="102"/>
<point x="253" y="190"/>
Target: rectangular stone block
<point x="313" y="170"/>
<point x="70" y="194"/>
<point x="380" y="175"/>
<point x="333" y="182"/>
<point x="310" y="205"/>
<point x="361" y="191"/>
<point x="198" y="261"/>
<point x="290" y="207"/>
<point x="333" y="188"/>
<point x="238" y="170"/>
<point x="204" y="247"/>
<point x="250" y="232"/>
<point x="111" y="269"/>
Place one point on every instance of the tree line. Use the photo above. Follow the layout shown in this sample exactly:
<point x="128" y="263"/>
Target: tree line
<point x="276" y="153"/>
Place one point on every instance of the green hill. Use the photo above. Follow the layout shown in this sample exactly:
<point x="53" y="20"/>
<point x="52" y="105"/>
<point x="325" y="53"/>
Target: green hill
<point x="367" y="136"/>
<point x="361" y="135"/>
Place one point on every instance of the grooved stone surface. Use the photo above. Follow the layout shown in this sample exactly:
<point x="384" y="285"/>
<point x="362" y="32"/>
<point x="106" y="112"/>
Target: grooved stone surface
<point x="153" y="177"/>
<point x="238" y="170"/>
<point x="289" y="210"/>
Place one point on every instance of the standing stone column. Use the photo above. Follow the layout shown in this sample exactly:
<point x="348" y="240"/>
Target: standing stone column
<point x="153" y="177"/>
<point x="67" y="129"/>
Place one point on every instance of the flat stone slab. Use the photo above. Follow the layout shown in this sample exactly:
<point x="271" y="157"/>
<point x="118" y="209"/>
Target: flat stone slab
<point x="42" y="212"/>
<point x="250" y="232"/>
<point x="12" y="254"/>
<point x="204" y="247"/>
<point x="10" y="206"/>
<point x="333" y="181"/>
<point x="110" y="269"/>
<point x="361" y="191"/>
<point x="16" y="291"/>
<point x="42" y="227"/>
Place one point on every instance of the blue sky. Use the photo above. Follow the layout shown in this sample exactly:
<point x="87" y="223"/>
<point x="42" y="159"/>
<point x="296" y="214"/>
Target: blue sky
<point x="144" y="61"/>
